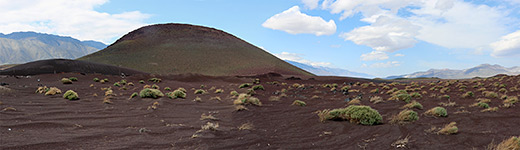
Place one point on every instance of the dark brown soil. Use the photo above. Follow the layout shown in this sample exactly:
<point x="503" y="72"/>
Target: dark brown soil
<point x="35" y="121"/>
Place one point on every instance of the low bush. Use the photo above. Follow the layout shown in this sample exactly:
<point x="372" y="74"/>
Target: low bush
<point x="489" y="94"/>
<point x="437" y="112"/>
<point x="150" y="93"/>
<point x="468" y="94"/>
<point x="299" y="103"/>
<point x="512" y="143"/>
<point x="167" y="89"/>
<point x="481" y="105"/>
<point x="134" y="95"/>
<point x="53" y="91"/>
<point x="244" y="85"/>
<point x="117" y="84"/>
<point x="219" y="91"/>
<point x="96" y="79"/>
<point x="156" y="80"/>
<point x="245" y="99"/>
<point x="404" y="116"/>
<point x="449" y="129"/>
<point x="155" y="86"/>
<point x="66" y="81"/>
<point x="413" y="104"/>
<point x="73" y="79"/>
<point x="177" y="94"/>
<point x="233" y="93"/>
<point x="71" y="95"/>
<point x="416" y="95"/>
<point x="258" y="87"/>
<point x="363" y="115"/>
<point x="510" y="101"/>
<point x="199" y="91"/>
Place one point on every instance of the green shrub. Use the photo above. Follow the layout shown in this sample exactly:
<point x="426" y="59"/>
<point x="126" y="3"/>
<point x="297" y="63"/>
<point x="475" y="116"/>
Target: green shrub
<point x="182" y="89"/>
<point x="66" y="81"/>
<point x="96" y="79"/>
<point x="233" y="93"/>
<point x="258" y="87"/>
<point x="156" y="80"/>
<point x="73" y="79"/>
<point x="244" y="99"/>
<point x="468" y="94"/>
<point x="123" y="82"/>
<point x="71" y="95"/>
<point x="141" y="81"/>
<point x="219" y="91"/>
<point x="416" y="95"/>
<point x="177" y="94"/>
<point x="489" y="94"/>
<point x="438" y="112"/>
<point x="150" y="93"/>
<point x="364" y="115"/>
<point x="413" y="104"/>
<point x="483" y="105"/>
<point x="502" y="90"/>
<point x="155" y="86"/>
<point x="406" y="115"/>
<point x="117" y="84"/>
<point x="167" y="89"/>
<point x="199" y="91"/>
<point x="133" y="95"/>
<point x="105" y="80"/>
<point x="345" y="88"/>
<point x="244" y="85"/>
<point x="299" y="103"/>
<point x="404" y="97"/>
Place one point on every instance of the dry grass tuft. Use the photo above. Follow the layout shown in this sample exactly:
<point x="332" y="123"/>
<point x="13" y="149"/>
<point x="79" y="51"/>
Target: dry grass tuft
<point x="437" y="112"/>
<point x="208" y="117"/>
<point x="405" y="116"/>
<point x="512" y="143"/>
<point x="413" y="104"/>
<point x="376" y="99"/>
<point x="246" y="126"/>
<point x="53" y="91"/>
<point x="240" y="108"/>
<point x="490" y="109"/>
<point x="354" y="102"/>
<point x="401" y="143"/>
<point x="449" y="129"/>
<point x="448" y="104"/>
<point x="274" y="98"/>
<point x="299" y="103"/>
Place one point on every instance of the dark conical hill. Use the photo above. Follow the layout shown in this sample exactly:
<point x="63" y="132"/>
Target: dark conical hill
<point x="183" y="48"/>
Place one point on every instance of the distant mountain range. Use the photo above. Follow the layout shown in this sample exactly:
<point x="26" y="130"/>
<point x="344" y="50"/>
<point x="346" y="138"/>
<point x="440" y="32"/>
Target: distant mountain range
<point x="326" y="71"/>
<point x="484" y="70"/>
<point x="22" y="47"/>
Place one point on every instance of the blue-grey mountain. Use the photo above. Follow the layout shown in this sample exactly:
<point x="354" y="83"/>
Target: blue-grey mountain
<point x="22" y="47"/>
<point x="327" y="71"/>
<point x="484" y="70"/>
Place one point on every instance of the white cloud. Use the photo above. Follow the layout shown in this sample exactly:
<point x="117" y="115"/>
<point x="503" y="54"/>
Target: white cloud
<point x="65" y="17"/>
<point x="385" y="34"/>
<point x="448" y="23"/>
<point x="508" y="45"/>
<point x="374" y="55"/>
<point x="459" y="24"/>
<point x="399" y="55"/>
<point x="298" y="58"/>
<point x="311" y="4"/>
<point x="386" y="65"/>
<point x="295" y="22"/>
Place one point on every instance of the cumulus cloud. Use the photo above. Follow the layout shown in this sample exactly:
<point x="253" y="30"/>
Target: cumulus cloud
<point x="385" y="34"/>
<point x="374" y="55"/>
<point x="508" y="45"/>
<point x="299" y="58"/>
<point x="295" y="22"/>
<point x="399" y="55"/>
<point x="459" y="24"/>
<point x="76" y="18"/>
<point x="399" y="24"/>
<point x="311" y="4"/>
<point x="385" y="64"/>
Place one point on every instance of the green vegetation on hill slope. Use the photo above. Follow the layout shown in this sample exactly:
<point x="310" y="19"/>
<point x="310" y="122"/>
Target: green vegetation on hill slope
<point x="182" y="48"/>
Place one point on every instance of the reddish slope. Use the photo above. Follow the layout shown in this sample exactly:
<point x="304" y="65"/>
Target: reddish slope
<point x="182" y="48"/>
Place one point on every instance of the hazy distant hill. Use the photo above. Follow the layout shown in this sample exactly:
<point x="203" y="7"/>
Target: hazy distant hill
<point x="183" y="48"/>
<point x="22" y="47"/>
<point x="326" y="71"/>
<point x="484" y="70"/>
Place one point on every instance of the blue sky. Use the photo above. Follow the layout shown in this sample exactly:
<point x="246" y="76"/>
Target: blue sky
<point x="377" y="37"/>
